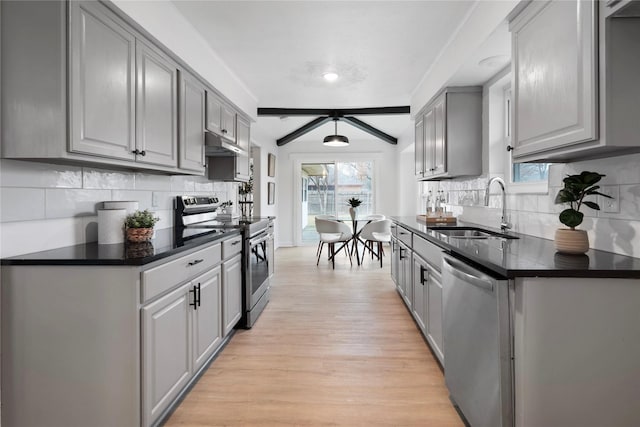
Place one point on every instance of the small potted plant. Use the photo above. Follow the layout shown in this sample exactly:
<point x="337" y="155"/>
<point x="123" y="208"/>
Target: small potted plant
<point x="139" y="226"/>
<point x="576" y="188"/>
<point x="354" y="203"/>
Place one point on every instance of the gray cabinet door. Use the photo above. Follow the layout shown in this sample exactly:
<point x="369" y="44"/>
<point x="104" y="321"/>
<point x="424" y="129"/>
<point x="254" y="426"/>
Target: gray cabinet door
<point x="207" y="317"/>
<point x="214" y="113"/>
<point x="419" y="147"/>
<point x="166" y="366"/>
<point x="554" y="76"/>
<point x="231" y="293"/>
<point x="228" y="123"/>
<point x="242" y="140"/>
<point x="420" y="293"/>
<point x="156" y="107"/>
<point x="102" y="83"/>
<point x="395" y="261"/>
<point x="405" y="272"/>
<point x="439" y="163"/>
<point x="429" y="141"/>
<point x="434" y="313"/>
<point x="192" y="117"/>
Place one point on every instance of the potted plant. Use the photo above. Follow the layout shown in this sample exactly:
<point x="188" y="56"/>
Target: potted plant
<point x="354" y="203"/>
<point x="576" y="188"/>
<point x="139" y="226"/>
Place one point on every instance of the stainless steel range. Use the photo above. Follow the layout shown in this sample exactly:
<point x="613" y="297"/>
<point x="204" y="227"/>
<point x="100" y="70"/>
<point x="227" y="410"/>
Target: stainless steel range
<point x="196" y="216"/>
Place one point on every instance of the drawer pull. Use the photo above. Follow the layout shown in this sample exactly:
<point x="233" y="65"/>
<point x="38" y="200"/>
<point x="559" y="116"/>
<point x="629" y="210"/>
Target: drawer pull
<point x="235" y="243"/>
<point x="198" y="261"/>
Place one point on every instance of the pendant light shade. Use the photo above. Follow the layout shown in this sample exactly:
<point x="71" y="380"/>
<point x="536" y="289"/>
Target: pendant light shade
<point x="336" y="140"/>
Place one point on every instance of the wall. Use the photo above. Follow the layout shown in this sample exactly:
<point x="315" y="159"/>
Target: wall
<point x="163" y="20"/>
<point x="287" y="171"/>
<point x="45" y="206"/>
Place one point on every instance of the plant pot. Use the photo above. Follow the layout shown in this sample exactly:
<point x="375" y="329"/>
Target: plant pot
<point x="353" y="213"/>
<point x="139" y="234"/>
<point x="569" y="241"/>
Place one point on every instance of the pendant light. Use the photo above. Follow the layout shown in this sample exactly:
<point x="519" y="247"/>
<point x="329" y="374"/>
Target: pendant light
<point x="336" y="140"/>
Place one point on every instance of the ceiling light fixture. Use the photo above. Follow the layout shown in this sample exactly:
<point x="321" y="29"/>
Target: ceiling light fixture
<point x="330" y="76"/>
<point x="336" y="140"/>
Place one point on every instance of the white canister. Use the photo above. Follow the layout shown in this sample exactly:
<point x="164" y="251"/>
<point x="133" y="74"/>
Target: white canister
<point x="111" y="226"/>
<point x="130" y="207"/>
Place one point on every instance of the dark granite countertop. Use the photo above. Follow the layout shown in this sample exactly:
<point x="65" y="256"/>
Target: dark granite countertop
<point x="526" y="256"/>
<point x="165" y="244"/>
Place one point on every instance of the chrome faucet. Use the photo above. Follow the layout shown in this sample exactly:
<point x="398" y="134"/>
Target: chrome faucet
<point x="504" y="224"/>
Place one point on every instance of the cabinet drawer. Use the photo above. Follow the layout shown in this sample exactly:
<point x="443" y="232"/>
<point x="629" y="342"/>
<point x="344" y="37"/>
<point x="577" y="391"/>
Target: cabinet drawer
<point x="404" y="236"/>
<point x="159" y="279"/>
<point x="232" y="246"/>
<point x="427" y="250"/>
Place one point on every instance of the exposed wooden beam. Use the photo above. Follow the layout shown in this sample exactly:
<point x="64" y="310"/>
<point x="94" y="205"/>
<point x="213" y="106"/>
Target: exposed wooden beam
<point x="336" y="112"/>
<point x="370" y="129"/>
<point x="303" y="129"/>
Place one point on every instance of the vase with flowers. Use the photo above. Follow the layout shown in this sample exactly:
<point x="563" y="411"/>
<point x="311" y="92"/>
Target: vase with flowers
<point x="576" y="189"/>
<point x="354" y="203"/>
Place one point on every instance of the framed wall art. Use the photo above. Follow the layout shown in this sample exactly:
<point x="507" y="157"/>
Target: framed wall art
<point x="271" y="169"/>
<point x="271" y="193"/>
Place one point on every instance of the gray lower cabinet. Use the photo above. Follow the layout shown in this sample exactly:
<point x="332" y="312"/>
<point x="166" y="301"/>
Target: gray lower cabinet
<point x="166" y="351"/>
<point x="207" y="316"/>
<point x="231" y="293"/>
<point x="405" y="276"/>
<point x="102" y="83"/>
<point x="192" y="116"/>
<point x="420" y="292"/>
<point x="156" y="107"/>
<point x="395" y="261"/>
<point x="434" y="313"/>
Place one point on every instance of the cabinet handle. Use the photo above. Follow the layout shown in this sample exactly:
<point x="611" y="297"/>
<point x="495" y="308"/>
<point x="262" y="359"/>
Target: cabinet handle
<point x="136" y="151"/>
<point x="402" y="232"/>
<point x="198" y="261"/>
<point x="509" y="148"/>
<point x="224" y="131"/>
<point x="402" y="249"/>
<point x="143" y="153"/>
<point x="198" y="294"/>
<point x="235" y="243"/>
<point x="422" y="278"/>
<point x="194" y="304"/>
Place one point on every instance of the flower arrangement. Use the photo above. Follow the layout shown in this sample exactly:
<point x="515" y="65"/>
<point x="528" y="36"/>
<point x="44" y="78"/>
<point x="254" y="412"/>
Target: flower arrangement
<point x="247" y="187"/>
<point x="354" y="202"/>
<point x="576" y="188"/>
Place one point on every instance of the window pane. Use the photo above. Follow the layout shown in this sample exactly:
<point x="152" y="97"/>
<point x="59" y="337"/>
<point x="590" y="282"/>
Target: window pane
<point x="530" y="172"/>
<point x="354" y="180"/>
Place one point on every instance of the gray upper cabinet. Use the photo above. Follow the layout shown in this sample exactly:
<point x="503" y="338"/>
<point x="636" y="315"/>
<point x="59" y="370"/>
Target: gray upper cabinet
<point x="221" y="119"/>
<point x="102" y="83"/>
<point x="574" y="74"/>
<point x="555" y="76"/>
<point x="192" y="116"/>
<point x="104" y="91"/>
<point x="156" y="107"/>
<point x="242" y="167"/>
<point x="449" y="135"/>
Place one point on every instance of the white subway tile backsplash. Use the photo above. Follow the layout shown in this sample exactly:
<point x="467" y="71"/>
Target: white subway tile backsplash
<point x="23" y="237"/>
<point x="152" y="182"/>
<point x="105" y="179"/>
<point x="61" y="203"/>
<point x="21" y="204"/>
<point x="142" y="197"/>
<point x="16" y="173"/>
<point x="183" y="184"/>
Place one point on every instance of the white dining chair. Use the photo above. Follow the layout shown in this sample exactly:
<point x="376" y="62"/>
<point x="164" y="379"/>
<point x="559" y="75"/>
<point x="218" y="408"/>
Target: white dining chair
<point x="332" y="232"/>
<point x="376" y="232"/>
<point x="321" y="243"/>
<point x="376" y="217"/>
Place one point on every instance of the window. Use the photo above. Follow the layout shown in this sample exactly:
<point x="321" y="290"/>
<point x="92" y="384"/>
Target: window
<point x="523" y="177"/>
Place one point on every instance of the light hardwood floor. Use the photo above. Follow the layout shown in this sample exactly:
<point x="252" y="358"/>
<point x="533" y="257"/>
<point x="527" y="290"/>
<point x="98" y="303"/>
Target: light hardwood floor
<point x="333" y="347"/>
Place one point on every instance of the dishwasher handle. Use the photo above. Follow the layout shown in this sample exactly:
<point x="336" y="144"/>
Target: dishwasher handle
<point x="466" y="273"/>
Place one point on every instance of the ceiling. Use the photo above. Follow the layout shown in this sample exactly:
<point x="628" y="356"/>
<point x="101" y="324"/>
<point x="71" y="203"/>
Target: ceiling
<point x="280" y="49"/>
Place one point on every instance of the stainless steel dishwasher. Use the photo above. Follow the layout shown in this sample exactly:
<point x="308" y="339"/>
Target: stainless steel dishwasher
<point x="477" y="344"/>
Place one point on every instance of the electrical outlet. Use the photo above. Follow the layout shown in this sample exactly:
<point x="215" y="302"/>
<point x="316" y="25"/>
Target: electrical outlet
<point x="154" y="199"/>
<point x="610" y="205"/>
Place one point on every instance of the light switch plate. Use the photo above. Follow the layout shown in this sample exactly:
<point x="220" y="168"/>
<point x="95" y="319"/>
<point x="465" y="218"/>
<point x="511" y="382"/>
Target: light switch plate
<point x="154" y="200"/>
<point x="610" y="205"/>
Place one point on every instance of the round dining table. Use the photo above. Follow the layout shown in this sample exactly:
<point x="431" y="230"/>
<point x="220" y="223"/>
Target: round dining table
<point x="357" y="224"/>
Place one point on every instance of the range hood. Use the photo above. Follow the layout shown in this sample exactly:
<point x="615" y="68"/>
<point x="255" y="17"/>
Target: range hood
<point x="217" y="146"/>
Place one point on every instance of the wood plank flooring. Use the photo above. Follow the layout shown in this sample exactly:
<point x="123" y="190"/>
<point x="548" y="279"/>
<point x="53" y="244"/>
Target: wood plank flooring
<point x="333" y="348"/>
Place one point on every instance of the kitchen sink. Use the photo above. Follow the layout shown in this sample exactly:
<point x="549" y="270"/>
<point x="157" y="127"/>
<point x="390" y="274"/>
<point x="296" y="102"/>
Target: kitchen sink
<point x="470" y="233"/>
